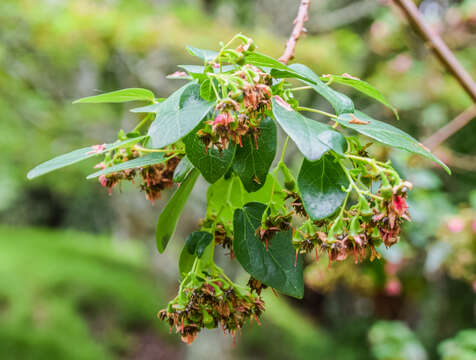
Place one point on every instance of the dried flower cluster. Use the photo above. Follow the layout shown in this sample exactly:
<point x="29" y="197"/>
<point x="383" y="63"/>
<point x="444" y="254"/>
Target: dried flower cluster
<point x="210" y="304"/>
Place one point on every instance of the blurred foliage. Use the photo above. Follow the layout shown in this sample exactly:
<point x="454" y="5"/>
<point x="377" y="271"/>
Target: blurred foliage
<point x="392" y="340"/>
<point x="461" y="347"/>
<point x="56" y="288"/>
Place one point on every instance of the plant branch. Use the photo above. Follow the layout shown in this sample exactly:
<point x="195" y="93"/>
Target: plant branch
<point x="451" y="128"/>
<point x="301" y="18"/>
<point x="442" y="51"/>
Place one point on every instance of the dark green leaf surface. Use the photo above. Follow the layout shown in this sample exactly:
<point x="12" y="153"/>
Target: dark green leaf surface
<point x="387" y="134"/>
<point x="178" y="115"/>
<point x="76" y="156"/>
<point x="252" y="163"/>
<point x="273" y="267"/>
<point x="203" y="54"/>
<point x="149" y="159"/>
<point x="340" y="102"/>
<point x="320" y="185"/>
<point x="213" y="164"/>
<point x="312" y="138"/>
<point x="169" y="216"/>
<point x="182" y="170"/>
<point x="119" y="96"/>
<point x="197" y="242"/>
<point x="364" y="87"/>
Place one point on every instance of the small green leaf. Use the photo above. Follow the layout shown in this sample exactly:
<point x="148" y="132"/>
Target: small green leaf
<point x="364" y="87"/>
<point x="252" y="162"/>
<point x="119" y="96"/>
<point x="206" y="91"/>
<point x="186" y="259"/>
<point x="273" y="266"/>
<point x="149" y="159"/>
<point x="169" y="216"/>
<point x="76" y="156"/>
<point x="212" y="163"/>
<point x="262" y="60"/>
<point x="386" y="134"/>
<point x="182" y="170"/>
<point x="197" y="242"/>
<point x="312" y="138"/>
<point x="341" y="103"/>
<point x="178" y="115"/>
<point x="320" y="184"/>
<point x="203" y="54"/>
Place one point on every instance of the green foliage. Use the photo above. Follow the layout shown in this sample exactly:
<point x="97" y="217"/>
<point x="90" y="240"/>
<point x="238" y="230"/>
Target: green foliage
<point x="393" y="340"/>
<point x="119" y="96"/>
<point x="460" y="347"/>
<point x="56" y="287"/>
<point x="254" y="158"/>
<point x="170" y="215"/>
<point x="322" y="186"/>
<point x="273" y="265"/>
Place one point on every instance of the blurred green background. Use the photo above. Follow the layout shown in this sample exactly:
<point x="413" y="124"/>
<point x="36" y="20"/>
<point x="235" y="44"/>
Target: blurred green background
<point x="79" y="274"/>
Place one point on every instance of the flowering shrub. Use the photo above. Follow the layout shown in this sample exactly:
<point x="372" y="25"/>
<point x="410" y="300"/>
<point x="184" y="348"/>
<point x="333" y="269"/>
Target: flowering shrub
<point x="222" y="125"/>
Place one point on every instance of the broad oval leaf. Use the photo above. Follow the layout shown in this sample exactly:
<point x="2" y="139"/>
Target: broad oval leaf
<point x="212" y="163"/>
<point x="169" y="216"/>
<point x="149" y="159"/>
<point x="364" y="87"/>
<point x="178" y="116"/>
<point x="312" y="138"/>
<point x="387" y="134"/>
<point x="182" y="170"/>
<point x="119" y="96"/>
<point x="341" y="103"/>
<point x="320" y="185"/>
<point x="76" y="156"/>
<point x="252" y="161"/>
<point x="154" y="108"/>
<point x="197" y="242"/>
<point x="203" y="54"/>
<point x="273" y="267"/>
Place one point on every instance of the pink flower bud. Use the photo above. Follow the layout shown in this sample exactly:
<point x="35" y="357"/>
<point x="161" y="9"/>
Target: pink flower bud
<point x="455" y="225"/>
<point x="283" y="103"/>
<point x="393" y="287"/>
<point x="103" y="180"/>
<point x="97" y="149"/>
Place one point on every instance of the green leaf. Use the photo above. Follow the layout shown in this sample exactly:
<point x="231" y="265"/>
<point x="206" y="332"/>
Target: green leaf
<point x="273" y="267"/>
<point x="203" y="54"/>
<point x="197" y="242"/>
<point x="312" y="138"/>
<point x="206" y="91"/>
<point x="262" y="60"/>
<point x="182" y="170"/>
<point x="119" y="96"/>
<point x="387" y="134"/>
<point x="149" y="159"/>
<point x="252" y="162"/>
<point x="364" y="87"/>
<point x="341" y="103"/>
<point x="154" y="108"/>
<point x="169" y="216"/>
<point x="178" y="116"/>
<point x="185" y="262"/>
<point x="320" y="184"/>
<point x="76" y="156"/>
<point x="212" y="163"/>
<point x="200" y="69"/>
<point x="186" y="259"/>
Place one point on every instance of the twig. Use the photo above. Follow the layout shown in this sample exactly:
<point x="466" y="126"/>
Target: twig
<point x="449" y="129"/>
<point x="298" y="29"/>
<point x="439" y="47"/>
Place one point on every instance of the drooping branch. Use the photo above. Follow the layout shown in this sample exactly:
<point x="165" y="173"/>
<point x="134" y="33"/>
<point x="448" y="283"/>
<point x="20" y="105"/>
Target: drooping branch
<point x="444" y="54"/>
<point x="452" y="127"/>
<point x="301" y="18"/>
